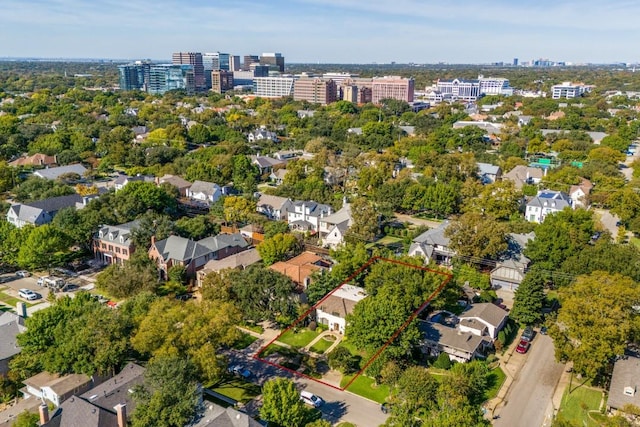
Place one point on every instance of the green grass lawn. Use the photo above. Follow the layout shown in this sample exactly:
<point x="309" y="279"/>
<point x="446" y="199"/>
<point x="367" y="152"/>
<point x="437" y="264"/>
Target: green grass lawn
<point x="237" y="389"/>
<point x="283" y="351"/>
<point x="366" y="387"/>
<point x="245" y="341"/>
<point x="388" y="240"/>
<point x="255" y="328"/>
<point x="12" y="301"/>
<point x="345" y="424"/>
<point x="635" y="241"/>
<point x="575" y="405"/>
<point x="322" y="345"/>
<point x="494" y="382"/>
<point x="298" y="339"/>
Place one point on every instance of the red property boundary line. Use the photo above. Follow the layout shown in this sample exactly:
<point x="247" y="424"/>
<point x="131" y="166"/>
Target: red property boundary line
<point x="448" y="277"/>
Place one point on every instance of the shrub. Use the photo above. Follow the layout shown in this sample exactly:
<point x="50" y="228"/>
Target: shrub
<point x="443" y="361"/>
<point x="313" y="325"/>
<point x="341" y="359"/>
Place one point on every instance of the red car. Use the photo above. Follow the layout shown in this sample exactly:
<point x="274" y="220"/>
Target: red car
<point x="523" y="346"/>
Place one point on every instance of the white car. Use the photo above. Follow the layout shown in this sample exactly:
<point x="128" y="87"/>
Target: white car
<point x="27" y="294"/>
<point x="23" y="273"/>
<point x="311" y="399"/>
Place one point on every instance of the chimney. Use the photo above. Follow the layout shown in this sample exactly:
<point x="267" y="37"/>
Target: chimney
<point x="121" y="413"/>
<point x="21" y="309"/>
<point x="44" y="414"/>
<point x="153" y="240"/>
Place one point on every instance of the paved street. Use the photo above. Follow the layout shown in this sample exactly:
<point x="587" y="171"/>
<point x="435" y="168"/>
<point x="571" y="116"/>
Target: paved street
<point x="530" y="395"/>
<point x="339" y="406"/>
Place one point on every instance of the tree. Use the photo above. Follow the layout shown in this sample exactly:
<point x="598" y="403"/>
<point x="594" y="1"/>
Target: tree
<point x="245" y="174"/>
<point x="238" y="209"/>
<point x="124" y="281"/>
<point x="271" y="228"/>
<point x="529" y="299"/>
<point x="365" y="221"/>
<point x="27" y="419"/>
<point x="596" y="320"/>
<point x="477" y="236"/>
<point x="281" y="404"/>
<point x="277" y="248"/>
<point x="499" y="200"/>
<point x="43" y="248"/>
<point x="169" y="395"/>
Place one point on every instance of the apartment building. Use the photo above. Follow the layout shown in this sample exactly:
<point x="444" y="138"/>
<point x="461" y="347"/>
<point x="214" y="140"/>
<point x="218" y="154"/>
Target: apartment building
<point x="273" y="87"/>
<point x="166" y="77"/>
<point x="569" y="90"/>
<point x="392" y="87"/>
<point x="314" y="90"/>
<point x="221" y="81"/>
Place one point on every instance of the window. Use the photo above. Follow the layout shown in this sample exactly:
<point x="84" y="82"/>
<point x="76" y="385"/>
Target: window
<point x="104" y="246"/>
<point x="124" y="252"/>
<point x="111" y="248"/>
<point x="117" y="250"/>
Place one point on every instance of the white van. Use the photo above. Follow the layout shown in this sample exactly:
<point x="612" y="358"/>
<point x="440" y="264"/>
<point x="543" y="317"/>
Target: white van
<point x="311" y="399"/>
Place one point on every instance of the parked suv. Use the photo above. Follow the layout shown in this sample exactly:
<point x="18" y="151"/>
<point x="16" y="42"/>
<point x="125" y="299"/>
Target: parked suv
<point x="27" y="294"/>
<point x="311" y="399"/>
<point x="528" y="334"/>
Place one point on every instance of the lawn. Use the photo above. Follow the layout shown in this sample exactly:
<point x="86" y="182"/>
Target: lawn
<point x="298" y="339"/>
<point x="366" y="387"/>
<point x="283" y="351"/>
<point x="255" y="328"/>
<point x="12" y="301"/>
<point x="635" y="241"/>
<point x="237" y="389"/>
<point x="245" y="341"/>
<point x="388" y="240"/>
<point x="494" y="382"/>
<point x="322" y="345"/>
<point x="575" y="406"/>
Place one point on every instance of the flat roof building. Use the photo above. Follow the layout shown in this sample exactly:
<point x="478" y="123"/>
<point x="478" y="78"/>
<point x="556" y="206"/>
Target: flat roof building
<point x="392" y="87"/>
<point x="314" y="90"/>
<point x="273" y="87"/>
<point x="195" y="60"/>
<point x="166" y="77"/>
<point x="221" y="81"/>
<point x="275" y="60"/>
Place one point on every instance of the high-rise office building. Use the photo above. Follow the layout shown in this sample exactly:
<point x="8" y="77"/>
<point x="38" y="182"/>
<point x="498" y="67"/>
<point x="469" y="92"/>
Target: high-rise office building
<point x="392" y="87"/>
<point x="195" y="60"/>
<point x="259" y="70"/>
<point x="515" y="62"/>
<point x="212" y="62"/>
<point x="248" y="60"/>
<point x="221" y="81"/>
<point x="275" y="60"/>
<point x="315" y="90"/>
<point x="134" y="76"/>
<point x="234" y="63"/>
<point x="273" y="87"/>
<point x="166" y="77"/>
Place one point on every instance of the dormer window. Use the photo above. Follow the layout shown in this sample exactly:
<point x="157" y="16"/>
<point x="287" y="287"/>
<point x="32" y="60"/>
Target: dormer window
<point x="110" y="236"/>
<point x="100" y="234"/>
<point x="121" y="239"/>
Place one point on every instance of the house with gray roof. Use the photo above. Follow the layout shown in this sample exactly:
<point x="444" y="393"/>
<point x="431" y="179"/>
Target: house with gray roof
<point x="460" y="346"/>
<point x="10" y="326"/>
<point x="433" y="245"/>
<point x="191" y="254"/>
<point x="488" y="173"/>
<point x="521" y="175"/>
<point x="274" y="207"/>
<point x="624" y="388"/>
<point x="217" y="416"/>
<point x="204" y="191"/>
<point x="596" y="137"/>
<point x="113" y="244"/>
<point x="55" y="173"/>
<point x="512" y="265"/>
<point x="334" y="227"/>
<point x="266" y="164"/>
<point x="484" y="319"/>
<point x="117" y="389"/>
<point x="305" y="215"/>
<point x="76" y="412"/>
<point x="120" y="182"/>
<point x="55" y="388"/>
<point x="546" y="203"/>
<point x="42" y="211"/>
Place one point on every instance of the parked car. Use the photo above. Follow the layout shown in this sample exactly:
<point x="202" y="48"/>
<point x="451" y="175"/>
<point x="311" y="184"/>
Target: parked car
<point x="523" y="346"/>
<point x="528" y="334"/>
<point x="311" y="399"/>
<point x="543" y="330"/>
<point x="27" y="294"/>
<point x="23" y="273"/>
<point x="240" y="371"/>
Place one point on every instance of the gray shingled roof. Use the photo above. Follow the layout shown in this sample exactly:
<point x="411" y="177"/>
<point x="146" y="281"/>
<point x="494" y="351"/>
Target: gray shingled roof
<point x="182" y="249"/>
<point x="76" y="412"/>
<point x="55" y="173"/>
<point x="10" y="326"/>
<point x="626" y="373"/>
<point x="490" y="313"/>
<point x="551" y="199"/>
<point x="112" y="233"/>
<point x="434" y="236"/>
<point x="54" y="204"/>
<point x="117" y="389"/>
<point x="217" y="416"/>
<point x="207" y="188"/>
<point x="450" y="337"/>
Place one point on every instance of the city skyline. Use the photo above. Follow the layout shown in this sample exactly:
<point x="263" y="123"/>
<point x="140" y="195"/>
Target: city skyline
<point x="326" y="31"/>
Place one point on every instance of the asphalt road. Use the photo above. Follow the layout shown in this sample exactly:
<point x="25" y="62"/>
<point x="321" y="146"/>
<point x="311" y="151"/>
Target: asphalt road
<point x="531" y="393"/>
<point x="339" y="406"/>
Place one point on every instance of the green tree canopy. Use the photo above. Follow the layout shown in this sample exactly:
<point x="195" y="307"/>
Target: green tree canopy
<point x="281" y="404"/>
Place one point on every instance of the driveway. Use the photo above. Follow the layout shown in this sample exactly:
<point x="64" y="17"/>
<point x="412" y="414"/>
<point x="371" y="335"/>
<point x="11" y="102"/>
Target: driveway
<point x="530" y="395"/>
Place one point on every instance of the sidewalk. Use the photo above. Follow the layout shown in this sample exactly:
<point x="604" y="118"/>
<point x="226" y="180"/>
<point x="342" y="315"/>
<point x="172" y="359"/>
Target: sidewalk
<point x="511" y="368"/>
<point x="556" y="401"/>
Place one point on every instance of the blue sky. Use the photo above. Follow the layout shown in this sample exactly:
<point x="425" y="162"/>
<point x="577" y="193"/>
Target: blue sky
<point x="341" y="31"/>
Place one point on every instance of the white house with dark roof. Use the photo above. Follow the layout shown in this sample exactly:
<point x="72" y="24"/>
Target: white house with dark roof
<point x="546" y="203"/>
<point x="460" y="346"/>
<point x="334" y="227"/>
<point x="484" y="319"/>
<point x="306" y="215"/>
<point x="262" y="134"/>
<point x="42" y="211"/>
<point x="332" y="311"/>
<point x="488" y="173"/>
<point x="512" y="266"/>
<point x="121" y="181"/>
<point x="433" y="245"/>
<point x="204" y="191"/>
<point x="55" y="173"/>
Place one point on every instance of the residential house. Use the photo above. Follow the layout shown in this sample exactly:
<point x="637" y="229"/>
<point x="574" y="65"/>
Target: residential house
<point x="545" y="203"/>
<point x="37" y="159"/>
<point x="42" y="211"/>
<point x="484" y="319"/>
<point x="121" y="181"/>
<point x="193" y="255"/>
<point x="512" y="266"/>
<point x="596" y="137"/>
<point x="113" y="243"/>
<point x="334" y="227"/>
<point x="182" y="185"/>
<point x="433" y="245"/>
<point x="218" y="416"/>
<point x="580" y="193"/>
<point x="521" y="175"/>
<point x="488" y="173"/>
<point x="267" y="164"/>
<point x="274" y="207"/>
<point x="488" y="127"/>
<point x="240" y="260"/>
<point x="54" y="387"/>
<point x="524" y="120"/>
<point x="460" y="346"/>
<point x="204" y="191"/>
<point x="109" y="404"/>
<point x="277" y="176"/>
<point x="625" y="384"/>
<point x="262" y="134"/>
<point x="306" y="215"/>
<point x="332" y="310"/>
<point x="10" y="326"/>
<point x="287" y="155"/>
<point x="55" y="173"/>
<point x="300" y="268"/>
<point x="335" y="175"/>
